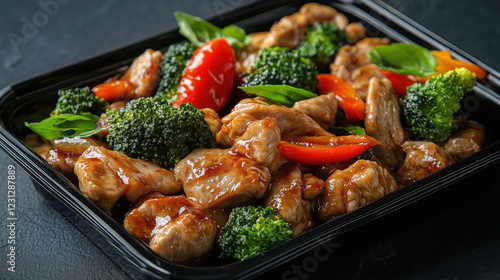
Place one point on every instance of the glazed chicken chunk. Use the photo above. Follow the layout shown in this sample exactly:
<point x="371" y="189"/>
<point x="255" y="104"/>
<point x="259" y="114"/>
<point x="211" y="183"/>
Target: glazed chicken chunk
<point x="291" y="193"/>
<point x="144" y="74"/>
<point x="220" y="178"/>
<point x="322" y="109"/>
<point x="353" y="65"/>
<point x="258" y="139"/>
<point x="359" y="184"/>
<point x="106" y="175"/>
<point x="292" y="123"/>
<point x="213" y="120"/>
<point x="383" y="123"/>
<point x="422" y="159"/>
<point x="61" y="154"/>
<point x="467" y="141"/>
<point x="174" y="227"/>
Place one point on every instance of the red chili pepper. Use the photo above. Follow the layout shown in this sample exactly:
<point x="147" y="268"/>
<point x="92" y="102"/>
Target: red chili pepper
<point x="348" y="98"/>
<point x="114" y="90"/>
<point x="208" y="78"/>
<point x="399" y="81"/>
<point x="325" y="149"/>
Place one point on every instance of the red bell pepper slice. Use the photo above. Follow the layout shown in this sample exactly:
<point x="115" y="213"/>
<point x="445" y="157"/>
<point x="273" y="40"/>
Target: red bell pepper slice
<point x="348" y="98"/>
<point x="208" y="78"/>
<point x="114" y="90"/>
<point x="399" y="81"/>
<point x="325" y="149"/>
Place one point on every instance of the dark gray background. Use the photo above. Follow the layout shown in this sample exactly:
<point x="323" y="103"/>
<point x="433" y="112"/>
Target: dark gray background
<point x="459" y="241"/>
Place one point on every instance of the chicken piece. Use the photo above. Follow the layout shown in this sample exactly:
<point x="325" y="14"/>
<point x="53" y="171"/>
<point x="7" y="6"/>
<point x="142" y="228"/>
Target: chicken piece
<point x="347" y="190"/>
<point x="291" y="193"/>
<point x="258" y="139"/>
<point x="291" y="30"/>
<point x="325" y="170"/>
<point x="219" y="178"/>
<point x="61" y="154"/>
<point x="322" y="109"/>
<point x="383" y="123"/>
<point x="353" y="57"/>
<point x="233" y="129"/>
<point x="246" y="56"/>
<point x="219" y="216"/>
<point x="422" y="159"/>
<point x="213" y="120"/>
<point x="144" y="74"/>
<point x="106" y="175"/>
<point x="174" y="227"/>
<point x="292" y="123"/>
<point x="354" y="67"/>
<point x="467" y="141"/>
<point x="103" y="123"/>
<point x="355" y="32"/>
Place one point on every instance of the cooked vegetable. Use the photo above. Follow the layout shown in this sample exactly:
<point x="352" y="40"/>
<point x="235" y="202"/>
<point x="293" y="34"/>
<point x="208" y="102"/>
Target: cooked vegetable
<point x="325" y="150"/>
<point x="399" y="81"/>
<point x="283" y="95"/>
<point x="321" y="43"/>
<point x="151" y="129"/>
<point x="173" y="63"/>
<point x="251" y="231"/>
<point x="347" y="130"/>
<point x="199" y="31"/>
<point x="404" y="59"/>
<point x="429" y="108"/>
<point x="348" y="98"/>
<point x="447" y="63"/>
<point x="79" y="100"/>
<point x="208" y="79"/>
<point x="279" y="66"/>
<point x="114" y="90"/>
<point x="65" y="125"/>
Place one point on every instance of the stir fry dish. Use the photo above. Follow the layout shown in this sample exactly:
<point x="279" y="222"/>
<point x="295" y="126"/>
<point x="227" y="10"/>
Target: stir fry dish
<point x="228" y="144"/>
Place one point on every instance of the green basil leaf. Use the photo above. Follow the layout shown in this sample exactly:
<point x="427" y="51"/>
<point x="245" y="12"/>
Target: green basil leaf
<point x="347" y="130"/>
<point x="65" y="125"/>
<point x="404" y="59"/>
<point x="199" y="31"/>
<point x="283" y="95"/>
<point x="87" y="133"/>
<point x="234" y="31"/>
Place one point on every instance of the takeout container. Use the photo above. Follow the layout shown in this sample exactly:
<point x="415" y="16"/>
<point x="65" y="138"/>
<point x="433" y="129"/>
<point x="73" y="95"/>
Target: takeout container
<point x="33" y="99"/>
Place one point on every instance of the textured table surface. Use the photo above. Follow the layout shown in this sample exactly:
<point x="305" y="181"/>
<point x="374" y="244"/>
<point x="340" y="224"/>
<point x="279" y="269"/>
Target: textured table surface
<point x="458" y="240"/>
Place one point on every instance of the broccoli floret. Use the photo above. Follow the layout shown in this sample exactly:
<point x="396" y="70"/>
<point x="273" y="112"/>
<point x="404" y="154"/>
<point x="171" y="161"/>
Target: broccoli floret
<point x="173" y="63"/>
<point x="279" y="66"/>
<point x="321" y="43"/>
<point x="79" y="100"/>
<point x="151" y="129"/>
<point x="429" y="108"/>
<point x="251" y="231"/>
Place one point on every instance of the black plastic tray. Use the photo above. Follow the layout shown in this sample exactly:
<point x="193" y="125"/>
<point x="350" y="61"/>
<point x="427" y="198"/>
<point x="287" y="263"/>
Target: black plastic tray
<point x="29" y="100"/>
